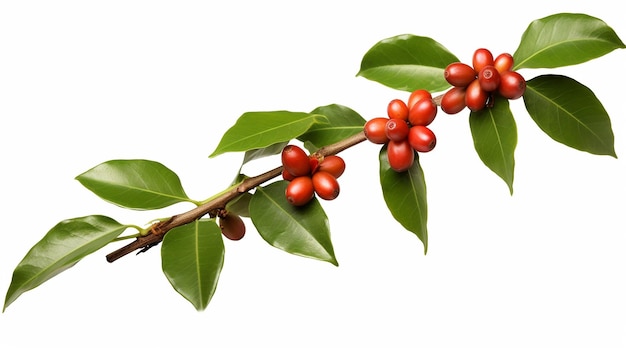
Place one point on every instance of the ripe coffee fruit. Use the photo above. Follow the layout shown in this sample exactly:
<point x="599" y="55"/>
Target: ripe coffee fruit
<point x="232" y="226"/>
<point x="489" y="78"/>
<point x="314" y="162"/>
<point x="332" y="164"/>
<point x="300" y="191"/>
<point x="423" y="112"/>
<point x="325" y="185"/>
<point x="453" y="100"/>
<point x="422" y="139"/>
<point x="418" y="95"/>
<point x="398" y="109"/>
<point x="295" y="161"/>
<point x="375" y="130"/>
<point x="475" y="96"/>
<point x="459" y="74"/>
<point x="482" y="57"/>
<point x="503" y="63"/>
<point x="287" y="176"/>
<point x="400" y="155"/>
<point x="396" y="129"/>
<point x="512" y="85"/>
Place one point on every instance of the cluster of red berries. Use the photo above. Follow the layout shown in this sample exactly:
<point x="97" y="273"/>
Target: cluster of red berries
<point x="474" y="86"/>
<point x="405" y="130"/>
<point x="309" y="175"/>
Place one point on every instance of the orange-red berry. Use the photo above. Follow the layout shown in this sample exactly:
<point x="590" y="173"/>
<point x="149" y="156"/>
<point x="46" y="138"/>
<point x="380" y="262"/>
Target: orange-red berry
<point x="398" y="109"/>
<point x="512" y="85"/>
<point x="423" y="112"/>
<point x="325" y="185"/>
<point x="422" y="139"/>
<point x="453" y="100"/>
<point x="333" y="164"/>
<point x="400" y="155"/>
<point x="295" y="161"/>
<point x="375" y="130"/>
<point x="459" y="74"/>
<point x="300" y="191"/>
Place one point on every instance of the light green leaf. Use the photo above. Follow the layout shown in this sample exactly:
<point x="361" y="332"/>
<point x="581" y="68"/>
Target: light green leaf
<point x="495" y="137"/>
<point x="302" y="231"/>
<point x="192" y="258"/>
<point x="408" y="62"/>
<point x="570" y="113"/>
<point x="564" y="39"/>
<point x="61" y="248"/>
<point x="135" y="184"/>
<point x="342" y="123"/>
<point x="405" y="196"/>
<point x="258" y="130"/>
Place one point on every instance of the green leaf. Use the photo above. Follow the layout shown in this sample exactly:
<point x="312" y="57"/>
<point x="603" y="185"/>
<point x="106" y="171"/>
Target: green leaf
<point x="408" y="62"/>
<point x="255" y="154"/>
<point x="302" y="231"/>
<point x="192" y="258"/>
<point x="405" y="196"/>
<point x="570" y="113"/>
<point x="135" y="184"/>
<point x="495" y="136"/>
<point x="342" y="123"/>
<point x="258" y="130"/>
<point x="240" y="205"/>
<point x="564" y="39"/>
<point x="61" y="248"/>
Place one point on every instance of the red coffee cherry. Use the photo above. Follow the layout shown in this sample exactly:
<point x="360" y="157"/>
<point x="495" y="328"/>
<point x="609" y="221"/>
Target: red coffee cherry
<point x="503" y="63"/>
<point x="295" y="161"/>
<point x="398" y="109"/>
<point x="314" y="163"/>
<point x="300" y="191"/>
<point x="489" y="78"/>
<point x="512" y="85"/>
<point x="232" y="226"/>
<point x="396" y="129"/>
<point x="375" y="130"/>
<point x="333" y="164"/>
<point x="287" y="176"/>
<point x="418" y="95"/>
<point x="459" y="74"/>
<point x="423" y="112"/>
<point x="422" y="139"/>
<point x="325" y="185"/>
<point x="400" y="155"/>
<point x="482" y="57"/>
<point x="453" y="100"/>
<point x="475" y="96"/>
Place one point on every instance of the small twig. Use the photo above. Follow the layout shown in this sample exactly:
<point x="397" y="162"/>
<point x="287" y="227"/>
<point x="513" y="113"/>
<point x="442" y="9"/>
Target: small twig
<point x="159" y="229"/>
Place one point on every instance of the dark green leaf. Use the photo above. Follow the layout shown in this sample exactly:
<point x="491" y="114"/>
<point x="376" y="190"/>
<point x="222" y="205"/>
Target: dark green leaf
<point x="570" y="113"/>
<point x="342" y="123"/>
<point x="302" y="231"/>
<point x="405" y="196"/>
<point x="240" y="205"/>
<point x="192" y="258"/>
<point x="258" y="130"/>
<point x="136" y="184"/>
<point x="61" y="248"/>
<point x="564" y="39"/>
<point x="408" y="62"/>
<point x="495" y="136"/>
<point x="273" y="149"/>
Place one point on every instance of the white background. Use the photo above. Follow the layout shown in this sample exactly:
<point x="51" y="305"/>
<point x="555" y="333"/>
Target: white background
<point x="83" y="82"/>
